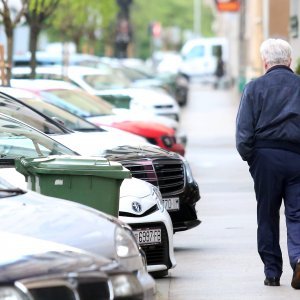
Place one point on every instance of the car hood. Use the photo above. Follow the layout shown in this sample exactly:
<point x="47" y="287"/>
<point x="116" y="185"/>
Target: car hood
<point x="136" y="192"/>
<point x="59" y="221"/>
<point x="133" y="187"/>
<point x="127" y="114"/>
<point x="141" y="127"/>
<point x="145" y="152"/>
<point x="147" y="95"/>
<point x="23" y="257"/>
<point x="95" y="143"/>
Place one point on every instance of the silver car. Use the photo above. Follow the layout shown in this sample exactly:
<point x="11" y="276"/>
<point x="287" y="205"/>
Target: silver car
<point x="32" y="269"/>
<point x="60" y="220"/>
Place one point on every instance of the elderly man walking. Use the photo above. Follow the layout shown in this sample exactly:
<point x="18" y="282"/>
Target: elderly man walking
<point x="268" y="138"/>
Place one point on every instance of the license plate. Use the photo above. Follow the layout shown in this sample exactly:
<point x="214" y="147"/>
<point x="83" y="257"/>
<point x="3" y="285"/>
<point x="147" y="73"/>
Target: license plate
<point x="148" y="236"/>
<point x="171" y="203"/>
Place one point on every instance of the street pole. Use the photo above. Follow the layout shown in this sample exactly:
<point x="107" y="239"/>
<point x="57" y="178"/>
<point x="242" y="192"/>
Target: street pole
<point x="197" y="17"/>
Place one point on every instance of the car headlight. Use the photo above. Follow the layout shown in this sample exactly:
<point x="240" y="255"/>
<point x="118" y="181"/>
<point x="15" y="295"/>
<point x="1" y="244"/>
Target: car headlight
<point x="11" y="293"/>
<point x="125" y="286"/>
<point x="188" y="171"/>
<point x="126" y="245"/>
<point x="168" y="141"/>
<point x="157" y="195"/>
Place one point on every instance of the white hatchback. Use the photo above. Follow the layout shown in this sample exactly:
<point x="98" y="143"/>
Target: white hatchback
<point x="104" y="84"/>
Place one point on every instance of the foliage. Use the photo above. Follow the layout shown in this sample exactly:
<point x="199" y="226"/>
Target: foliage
<point x="83" y="22"/>
<point x="169" y="13"/>
<point x="37" y="14"/>
<point x="10" y="18"/>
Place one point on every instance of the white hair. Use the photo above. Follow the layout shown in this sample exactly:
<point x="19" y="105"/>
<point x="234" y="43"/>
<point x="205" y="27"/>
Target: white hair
<point x="276" y="52"/>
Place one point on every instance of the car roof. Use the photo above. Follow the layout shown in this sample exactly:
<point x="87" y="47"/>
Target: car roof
<point x="59" y="70"/>
<point x="42" y="84"/>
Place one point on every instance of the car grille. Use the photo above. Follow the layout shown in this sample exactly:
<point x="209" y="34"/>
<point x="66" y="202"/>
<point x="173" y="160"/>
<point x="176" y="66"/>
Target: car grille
<point x="167" y="174"/>
<point x="87" y="287"/>
<point x="156" y="254"/>
<point x="170" y="175"/>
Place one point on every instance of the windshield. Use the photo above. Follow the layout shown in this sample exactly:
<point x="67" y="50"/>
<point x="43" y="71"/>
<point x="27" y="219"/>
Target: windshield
<point x="195" y="52"/>
<point x="78" y="102"/>
<point x="19" y="140"/>
<point x="133" y="74"/>
<point x="19" y="111"/>
<point x="69" y="120"/>
<point x="111" y="80"/>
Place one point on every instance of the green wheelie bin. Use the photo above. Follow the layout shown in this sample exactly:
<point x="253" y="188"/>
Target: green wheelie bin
<point x="92" y="181"/>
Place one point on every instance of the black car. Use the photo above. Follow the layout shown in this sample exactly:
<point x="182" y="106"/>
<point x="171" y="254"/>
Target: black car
<point x="33" y="269"/>
<point x="167" y="170"/>
<point x="170" y="172"/>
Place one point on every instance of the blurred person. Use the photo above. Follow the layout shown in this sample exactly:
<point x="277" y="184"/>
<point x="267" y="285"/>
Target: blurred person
<point x="268" y="138"/>
<point x="220" y="69"/>
<point x="219" y="73"/>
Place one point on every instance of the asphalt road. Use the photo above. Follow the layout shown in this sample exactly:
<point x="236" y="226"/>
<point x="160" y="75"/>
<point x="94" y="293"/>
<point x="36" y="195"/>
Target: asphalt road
<point x="218" y="259"/>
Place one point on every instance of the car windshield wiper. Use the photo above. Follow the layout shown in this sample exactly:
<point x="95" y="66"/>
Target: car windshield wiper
<point x="12" y="191"/>
<point x="6" y="161"/>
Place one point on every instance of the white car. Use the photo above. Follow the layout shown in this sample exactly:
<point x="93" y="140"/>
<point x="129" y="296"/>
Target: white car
<point x="51" y="90"/>
<point x="150" y="222"/>
<point x="102" y="83"/>
<point x="140" y="192"/>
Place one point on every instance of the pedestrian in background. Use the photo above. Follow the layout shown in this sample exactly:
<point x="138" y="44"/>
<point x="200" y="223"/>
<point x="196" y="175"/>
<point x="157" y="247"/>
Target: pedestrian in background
<point x="268" y="138"/>
<point x="219" y="72"/>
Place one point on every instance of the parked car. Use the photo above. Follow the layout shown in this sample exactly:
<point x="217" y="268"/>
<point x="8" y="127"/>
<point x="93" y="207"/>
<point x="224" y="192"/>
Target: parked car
<point x="178" y="187"/>
<point x="173" y="82"/>
<point x="170" y="172"/>
<point x="32" y="269"/>
<point x="86" y="106"/>
<point x="150" y="222"/>
<point x="70" y="223"/>
<point x="61" y="124"/>
<point x="150" y="217"/>
<point x="111" y="87"/>
<point x="110" y="113"/>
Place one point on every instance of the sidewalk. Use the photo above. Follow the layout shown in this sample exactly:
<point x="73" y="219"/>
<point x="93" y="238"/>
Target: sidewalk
<point x="218" y="259"/>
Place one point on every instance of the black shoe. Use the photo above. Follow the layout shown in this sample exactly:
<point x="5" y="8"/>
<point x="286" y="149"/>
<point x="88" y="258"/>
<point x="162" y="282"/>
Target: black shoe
<point x="272" y="281"/>
<point x="296" y="277"/>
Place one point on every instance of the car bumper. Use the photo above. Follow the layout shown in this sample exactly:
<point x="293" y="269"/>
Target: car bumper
<point x="186" y="217"/>
<point x="160" y="257"/>
<point x="148" y="284"/>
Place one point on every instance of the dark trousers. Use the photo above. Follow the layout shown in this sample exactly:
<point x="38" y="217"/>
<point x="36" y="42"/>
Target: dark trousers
<point x="276" y="175"/>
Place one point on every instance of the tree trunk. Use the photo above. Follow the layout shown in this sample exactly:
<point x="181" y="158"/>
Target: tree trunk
<point x="9" y="52"/>
<point x="34" y="35"/>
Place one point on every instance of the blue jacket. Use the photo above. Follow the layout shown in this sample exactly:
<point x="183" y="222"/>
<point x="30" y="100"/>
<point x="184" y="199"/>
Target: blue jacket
<point x="269" y="113"/>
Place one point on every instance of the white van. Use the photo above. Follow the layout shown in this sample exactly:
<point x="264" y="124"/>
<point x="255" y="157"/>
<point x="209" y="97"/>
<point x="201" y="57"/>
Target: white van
<point x="200" y="56"/>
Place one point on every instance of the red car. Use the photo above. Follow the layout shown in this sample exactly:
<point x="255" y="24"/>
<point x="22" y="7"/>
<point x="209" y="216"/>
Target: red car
<point x="99" y="112"/>
<point x="155" y="133"/>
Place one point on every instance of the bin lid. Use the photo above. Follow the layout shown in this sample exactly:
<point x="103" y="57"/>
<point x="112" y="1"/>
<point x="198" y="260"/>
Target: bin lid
<point x="74" y="165"/>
